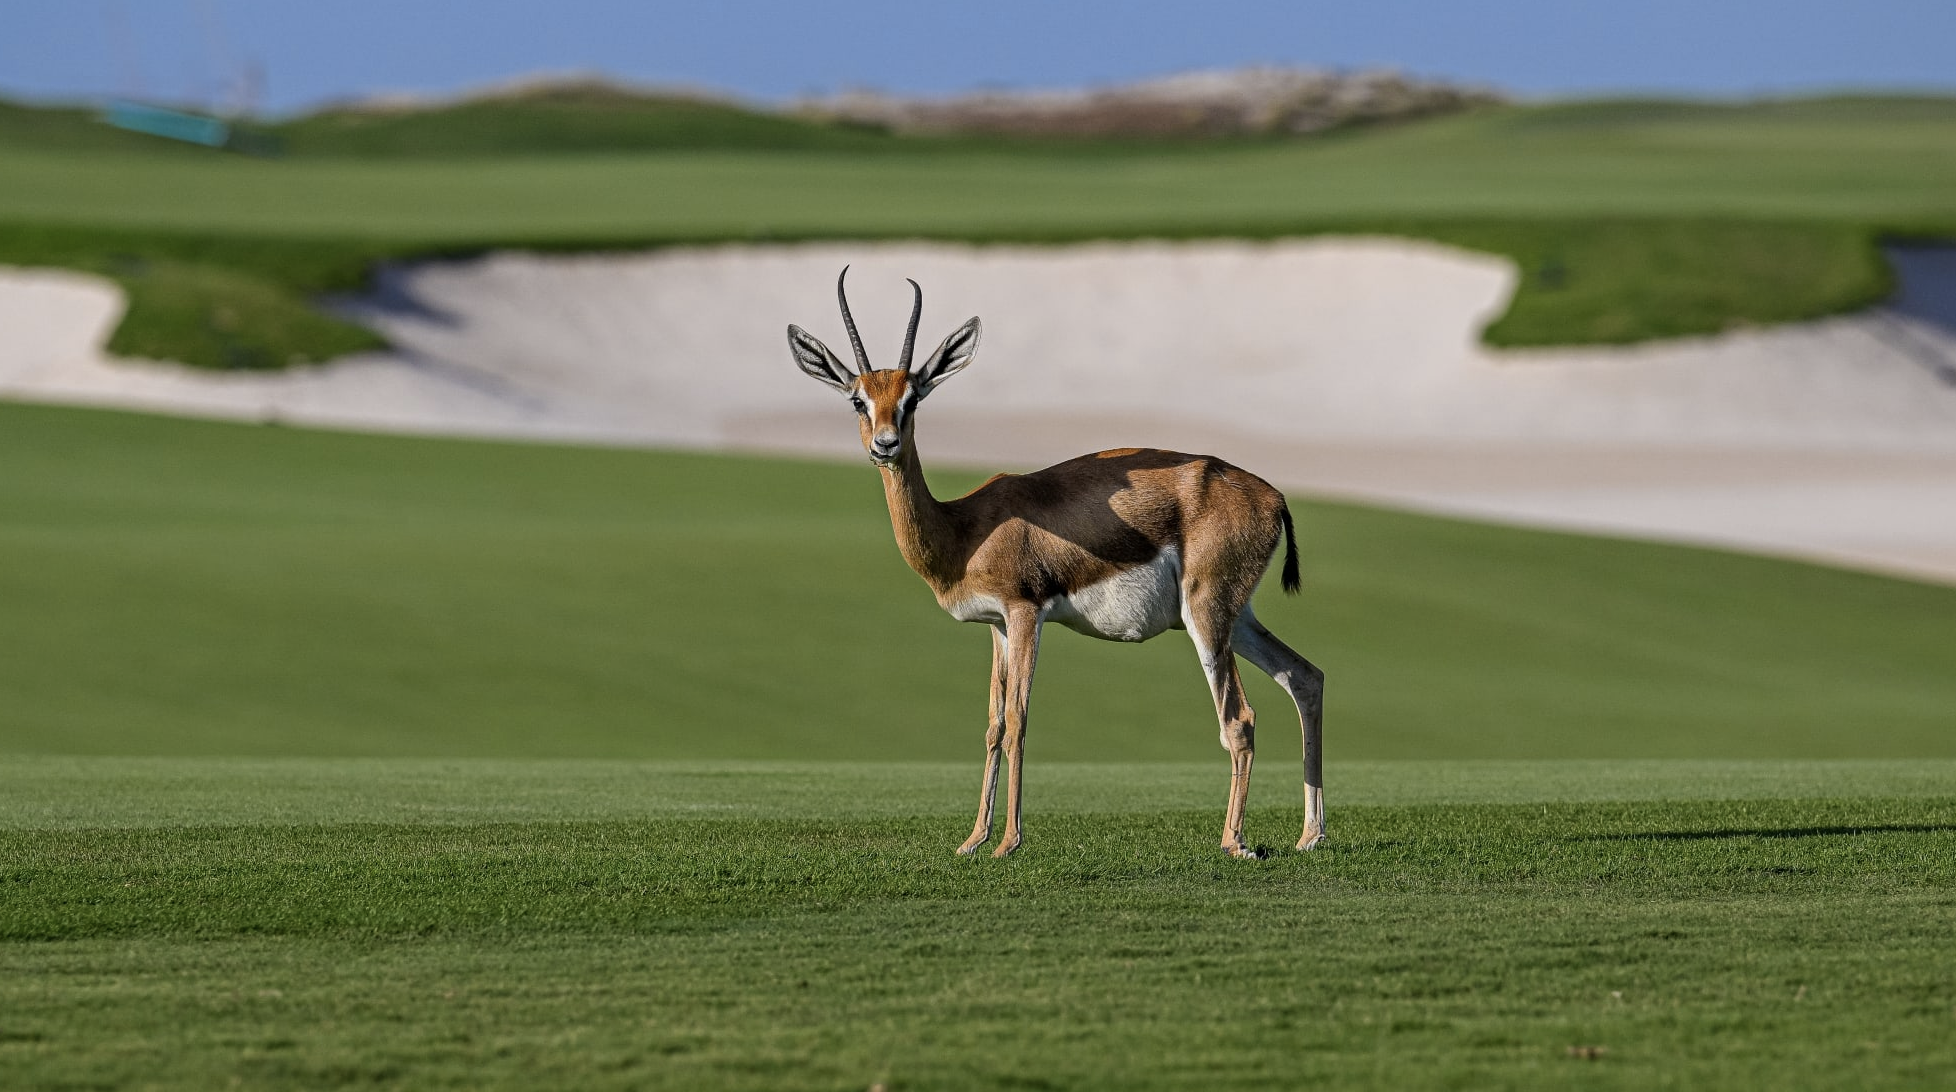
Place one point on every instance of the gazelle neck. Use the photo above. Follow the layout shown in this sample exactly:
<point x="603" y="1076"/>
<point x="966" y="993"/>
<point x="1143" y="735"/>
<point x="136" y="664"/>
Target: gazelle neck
<point x="923" y="528"/>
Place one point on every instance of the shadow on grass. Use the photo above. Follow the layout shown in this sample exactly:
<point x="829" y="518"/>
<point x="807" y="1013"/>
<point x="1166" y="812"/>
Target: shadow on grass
<point x="1781" y="832"/>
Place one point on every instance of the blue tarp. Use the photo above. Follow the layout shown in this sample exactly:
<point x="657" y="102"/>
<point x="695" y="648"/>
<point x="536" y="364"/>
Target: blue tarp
<point x="170" y="124"/>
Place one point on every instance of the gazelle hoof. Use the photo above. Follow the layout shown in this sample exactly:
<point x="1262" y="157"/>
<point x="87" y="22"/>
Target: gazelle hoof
<point x="971" y="847"/>
<point x="1310" y="841"/>
<point x="1004" y="849"/>
<point x="1244" y="853"/>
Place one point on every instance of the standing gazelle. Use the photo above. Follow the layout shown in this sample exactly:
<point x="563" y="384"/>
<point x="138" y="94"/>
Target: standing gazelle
<point x="1121" y="545"/>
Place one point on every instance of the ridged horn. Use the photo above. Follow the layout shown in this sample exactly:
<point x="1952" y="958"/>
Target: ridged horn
<point x="848" y="320"/>
<point x="910" y="336"/>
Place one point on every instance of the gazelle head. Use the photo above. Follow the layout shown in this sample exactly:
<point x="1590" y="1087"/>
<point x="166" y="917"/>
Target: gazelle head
<point x="885" y="400"/>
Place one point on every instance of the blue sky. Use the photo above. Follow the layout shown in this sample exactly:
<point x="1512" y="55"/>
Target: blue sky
<point x="773" y="49"/>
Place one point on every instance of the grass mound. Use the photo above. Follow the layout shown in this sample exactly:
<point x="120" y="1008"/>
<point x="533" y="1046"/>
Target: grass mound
<point x="562" y="120"/>
<point x="221" y="302"/>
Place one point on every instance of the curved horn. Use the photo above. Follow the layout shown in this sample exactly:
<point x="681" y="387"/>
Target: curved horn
<point x="855" y="339"/>
<point x="910" y="336"/>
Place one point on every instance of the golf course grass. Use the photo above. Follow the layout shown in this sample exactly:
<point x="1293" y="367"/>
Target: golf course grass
<point x="794" y="927"/>
<point x="334" y="760"/>
<point x="194" y="588"/>
<point x="1629" y="220"/>
<point x="1833" y="160"/>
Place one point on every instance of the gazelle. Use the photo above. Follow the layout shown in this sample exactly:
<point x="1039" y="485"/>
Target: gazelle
<point x="1122" y="545"/>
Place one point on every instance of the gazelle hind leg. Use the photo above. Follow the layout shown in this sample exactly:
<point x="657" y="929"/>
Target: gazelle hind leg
<point x="1233" y="714"/>
<point x="981" y="830"/>
<point x="1305" y="685"/>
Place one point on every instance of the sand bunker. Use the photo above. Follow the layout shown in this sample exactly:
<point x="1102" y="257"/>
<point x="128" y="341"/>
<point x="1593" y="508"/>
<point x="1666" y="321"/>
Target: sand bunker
<point x="1346" y="367"/>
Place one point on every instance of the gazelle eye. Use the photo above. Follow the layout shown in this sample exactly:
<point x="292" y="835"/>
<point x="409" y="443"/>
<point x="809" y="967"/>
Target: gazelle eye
<point x="858" y="403"/>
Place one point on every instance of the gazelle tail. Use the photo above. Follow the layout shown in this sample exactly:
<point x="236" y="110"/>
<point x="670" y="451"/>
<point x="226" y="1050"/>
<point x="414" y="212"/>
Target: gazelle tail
<point x="1292" y="582"/>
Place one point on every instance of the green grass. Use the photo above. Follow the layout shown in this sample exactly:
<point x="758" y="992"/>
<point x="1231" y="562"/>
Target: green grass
<point x="1884" y="160"/>
<point x="1801" y="939"/>
<point x="1629" y="220"/>
<point x="586" y="119"/>
<point x="221" y="302"/>
<point x="337" y="760"/>
<point x="189" y="588"/>
<point x="70" y="792"/>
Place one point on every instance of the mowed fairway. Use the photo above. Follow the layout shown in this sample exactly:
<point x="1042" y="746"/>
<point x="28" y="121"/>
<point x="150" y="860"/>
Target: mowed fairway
<point x="181" y="587"/>
<point x="716" y="942"/>
<point x="471" y="765"/>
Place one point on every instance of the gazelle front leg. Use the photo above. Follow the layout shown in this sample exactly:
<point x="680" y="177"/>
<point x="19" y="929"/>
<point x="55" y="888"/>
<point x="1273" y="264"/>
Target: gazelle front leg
<point x="981" y="831"/>
<point x="1233" y="714"/>
<point x="1021" y="657"/>
<point x="1239" y="739"/>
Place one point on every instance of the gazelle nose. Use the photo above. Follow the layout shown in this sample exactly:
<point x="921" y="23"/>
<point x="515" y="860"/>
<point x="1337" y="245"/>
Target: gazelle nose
<point x="885" y="444"/>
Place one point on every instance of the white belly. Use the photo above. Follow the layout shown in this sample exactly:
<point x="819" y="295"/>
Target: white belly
<point x="1130" y="606"/>
<point x="978" y="608"/>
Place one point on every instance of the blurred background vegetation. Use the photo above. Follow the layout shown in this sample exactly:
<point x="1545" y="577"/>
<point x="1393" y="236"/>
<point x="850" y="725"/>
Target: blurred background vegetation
<point x="1628" y="220"/>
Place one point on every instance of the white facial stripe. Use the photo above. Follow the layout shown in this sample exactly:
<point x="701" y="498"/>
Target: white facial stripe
<point x="899" y="413"/>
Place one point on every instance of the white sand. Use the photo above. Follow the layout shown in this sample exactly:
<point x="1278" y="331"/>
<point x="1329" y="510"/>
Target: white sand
<point x="1346" y="367"/>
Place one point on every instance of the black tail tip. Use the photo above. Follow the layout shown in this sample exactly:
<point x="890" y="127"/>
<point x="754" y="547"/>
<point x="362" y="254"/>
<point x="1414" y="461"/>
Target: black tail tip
<point x="1292" y="581"/>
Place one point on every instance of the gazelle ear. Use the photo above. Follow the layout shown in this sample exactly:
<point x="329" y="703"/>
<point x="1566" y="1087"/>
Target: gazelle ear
<point x="949" y="359"/>
<point x="814" y="358"/>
